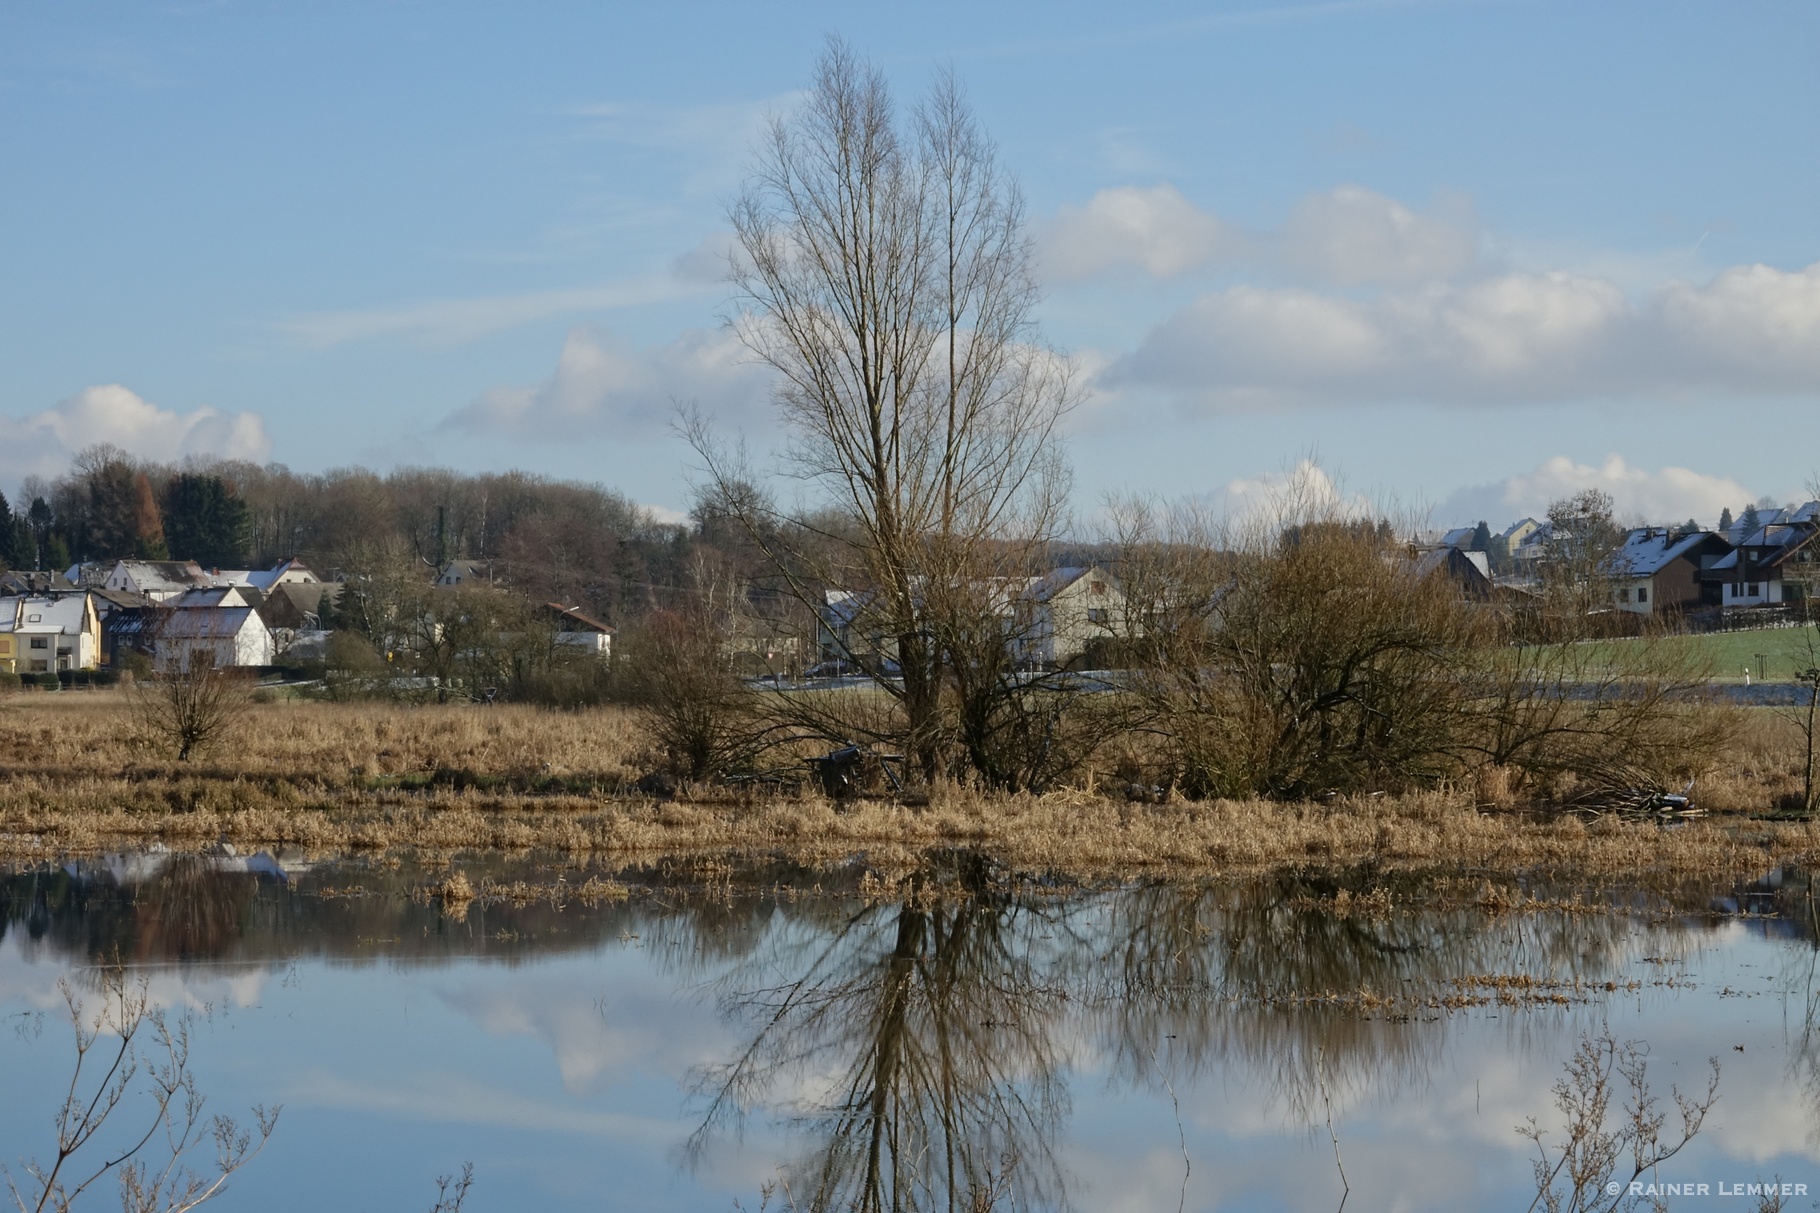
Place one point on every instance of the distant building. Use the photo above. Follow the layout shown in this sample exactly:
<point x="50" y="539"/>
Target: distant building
<point x="25" y="581"/>
<point x="1067" y="610"/>
<point x="42" y="635"/>
<point x="1774" y="564"/>
<point x="1658" y="569"/>
<point x="1470" y="572"/>
<point x="227" y="636"/>
<point x="286" y="572"/>
<point x="577" y="630"/>
<point x="464" y="572"/>
<point x="158" y="580"/>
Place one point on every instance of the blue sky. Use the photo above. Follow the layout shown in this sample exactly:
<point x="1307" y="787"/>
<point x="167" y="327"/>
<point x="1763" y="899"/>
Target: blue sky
<point x="1471" y="255"/>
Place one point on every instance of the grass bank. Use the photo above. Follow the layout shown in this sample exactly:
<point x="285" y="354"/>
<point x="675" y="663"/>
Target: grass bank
<point x="75" y="777"/>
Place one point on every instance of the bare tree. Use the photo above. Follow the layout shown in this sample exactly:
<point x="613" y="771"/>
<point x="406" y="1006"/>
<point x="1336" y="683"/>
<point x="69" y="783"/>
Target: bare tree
<point x="149" y="1159"/>
<point x="886" y="279"/>
<point x="194" y="704"/>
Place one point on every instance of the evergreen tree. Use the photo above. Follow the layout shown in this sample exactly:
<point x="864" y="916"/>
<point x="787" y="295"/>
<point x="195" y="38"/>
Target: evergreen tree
<point x="38" y="521"/>
<point x="54" y="554"/>
<point x="1750" y="521"/>
<point x="1725" y="519"/>
<point x="1481" y="538"/>
<point x="10" y="557"/>
<point x="205" y="521"/>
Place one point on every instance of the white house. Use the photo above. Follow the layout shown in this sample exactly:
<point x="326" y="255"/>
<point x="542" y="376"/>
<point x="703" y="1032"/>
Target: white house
<point x="158" y="580"/>
<point x="577" y="630"/>
<point x="1066" y="610"/>
<point x="44" y="635"/>
<point x="461" y="572"/>
<point x="229" y="636"/>
<point x="288" y="572"/>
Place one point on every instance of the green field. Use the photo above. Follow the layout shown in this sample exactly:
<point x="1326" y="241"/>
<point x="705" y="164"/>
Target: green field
<point x="1771" y="654"/>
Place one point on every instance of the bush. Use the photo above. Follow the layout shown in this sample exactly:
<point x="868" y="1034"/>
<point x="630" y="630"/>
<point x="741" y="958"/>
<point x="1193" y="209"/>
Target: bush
<point x="8" y="682"/>
<point x="45" y="681"/>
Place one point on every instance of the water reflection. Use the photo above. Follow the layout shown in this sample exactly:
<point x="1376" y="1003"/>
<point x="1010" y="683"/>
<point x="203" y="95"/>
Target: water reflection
<point x="918" y="1045"/>
<point x="924" y="1048"/>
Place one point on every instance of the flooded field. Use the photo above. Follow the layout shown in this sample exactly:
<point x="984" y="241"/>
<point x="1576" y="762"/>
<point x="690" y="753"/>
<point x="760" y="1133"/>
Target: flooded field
<point x="709" y="1037"/>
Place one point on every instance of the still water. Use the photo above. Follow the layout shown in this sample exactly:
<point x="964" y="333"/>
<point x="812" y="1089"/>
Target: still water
<point x="706" y="1037"/>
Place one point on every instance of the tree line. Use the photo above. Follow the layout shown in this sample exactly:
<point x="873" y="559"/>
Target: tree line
<point x="560" y="541"/>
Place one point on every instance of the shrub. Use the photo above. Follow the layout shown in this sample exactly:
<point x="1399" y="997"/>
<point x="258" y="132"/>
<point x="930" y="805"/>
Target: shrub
<point x="8" y="682"/>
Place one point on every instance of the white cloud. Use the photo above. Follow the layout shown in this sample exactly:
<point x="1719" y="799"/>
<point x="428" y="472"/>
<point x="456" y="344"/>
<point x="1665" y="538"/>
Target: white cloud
<point x="603" y="384"/>
<point x="1665" y="495"/>
<point x="437" y="322"/>
<point x="1155" y="230"/>
<point x="1352" y="235"/>
<point x="1305" y="491"/>
<point x="1347" y="236"/>
<point x="42" y="443"/>
<point x="1508" y="338"/>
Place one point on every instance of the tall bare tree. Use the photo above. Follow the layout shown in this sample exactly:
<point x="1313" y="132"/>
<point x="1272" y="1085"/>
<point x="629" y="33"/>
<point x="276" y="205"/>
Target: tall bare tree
<point x="886" y="279"/>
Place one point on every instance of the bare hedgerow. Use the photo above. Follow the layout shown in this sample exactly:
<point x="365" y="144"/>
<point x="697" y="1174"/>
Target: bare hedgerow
<point x="1300" y="655"/>
<point x="675" y="674"/>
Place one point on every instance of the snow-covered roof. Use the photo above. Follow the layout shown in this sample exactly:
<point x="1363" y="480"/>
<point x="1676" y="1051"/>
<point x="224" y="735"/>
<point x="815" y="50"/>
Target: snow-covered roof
<point x="1459" y="537"/>
<point x="1648" y="551"/>
<point x="64" y="615"/>
<point x="216" y="596"/>
<point x="206" y="623"/>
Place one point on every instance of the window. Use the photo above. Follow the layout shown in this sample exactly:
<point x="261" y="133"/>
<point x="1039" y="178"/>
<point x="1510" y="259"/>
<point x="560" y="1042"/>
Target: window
<point x="1098" y="615"/>
<point x="1096" y="587"/>
<point x="1642" y="594"/>
<point x="1751" y="590"/>
<point x="41" y="642"/>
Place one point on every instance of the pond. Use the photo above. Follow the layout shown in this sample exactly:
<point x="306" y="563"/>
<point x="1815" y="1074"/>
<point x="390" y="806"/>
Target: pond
<point x="710" y="1036"/>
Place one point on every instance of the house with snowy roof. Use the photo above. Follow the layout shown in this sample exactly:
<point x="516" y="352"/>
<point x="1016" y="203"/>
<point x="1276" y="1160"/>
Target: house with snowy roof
<point x="1660" y="569"/>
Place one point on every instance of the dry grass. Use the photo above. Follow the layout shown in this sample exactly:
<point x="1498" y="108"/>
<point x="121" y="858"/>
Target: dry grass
<point x="350" y="777"/>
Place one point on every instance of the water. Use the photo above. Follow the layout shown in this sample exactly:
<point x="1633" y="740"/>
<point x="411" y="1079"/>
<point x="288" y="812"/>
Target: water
<point x="1185" y="1045"/>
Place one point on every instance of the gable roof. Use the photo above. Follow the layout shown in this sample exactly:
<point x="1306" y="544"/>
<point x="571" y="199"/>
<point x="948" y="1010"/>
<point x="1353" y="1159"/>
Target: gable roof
<point x="206" y="623"/>
<point x="575" y="621"/>
<point x="1648" y="551"/>
<point x="64" y="614"/>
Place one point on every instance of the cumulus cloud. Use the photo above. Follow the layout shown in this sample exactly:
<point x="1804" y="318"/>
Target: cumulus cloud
<point x="1664" y="495"/>
<point x="1511" y="337"/>
<point x="1347" y="236"/>
<point x="1352" y="235"/>
<point x="1155" y="230"/>
<point x="606" y="385"/>
<point x="1305" y="491"/>
<point x="42" y="444"/>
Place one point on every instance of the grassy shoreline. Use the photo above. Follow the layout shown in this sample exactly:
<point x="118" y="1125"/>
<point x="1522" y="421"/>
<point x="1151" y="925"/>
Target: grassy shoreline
<point x="75" y="778"/>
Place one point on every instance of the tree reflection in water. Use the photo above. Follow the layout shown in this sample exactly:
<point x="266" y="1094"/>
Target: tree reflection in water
<point x="920" y="1045"/>
<point x="914" y="1043"/>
